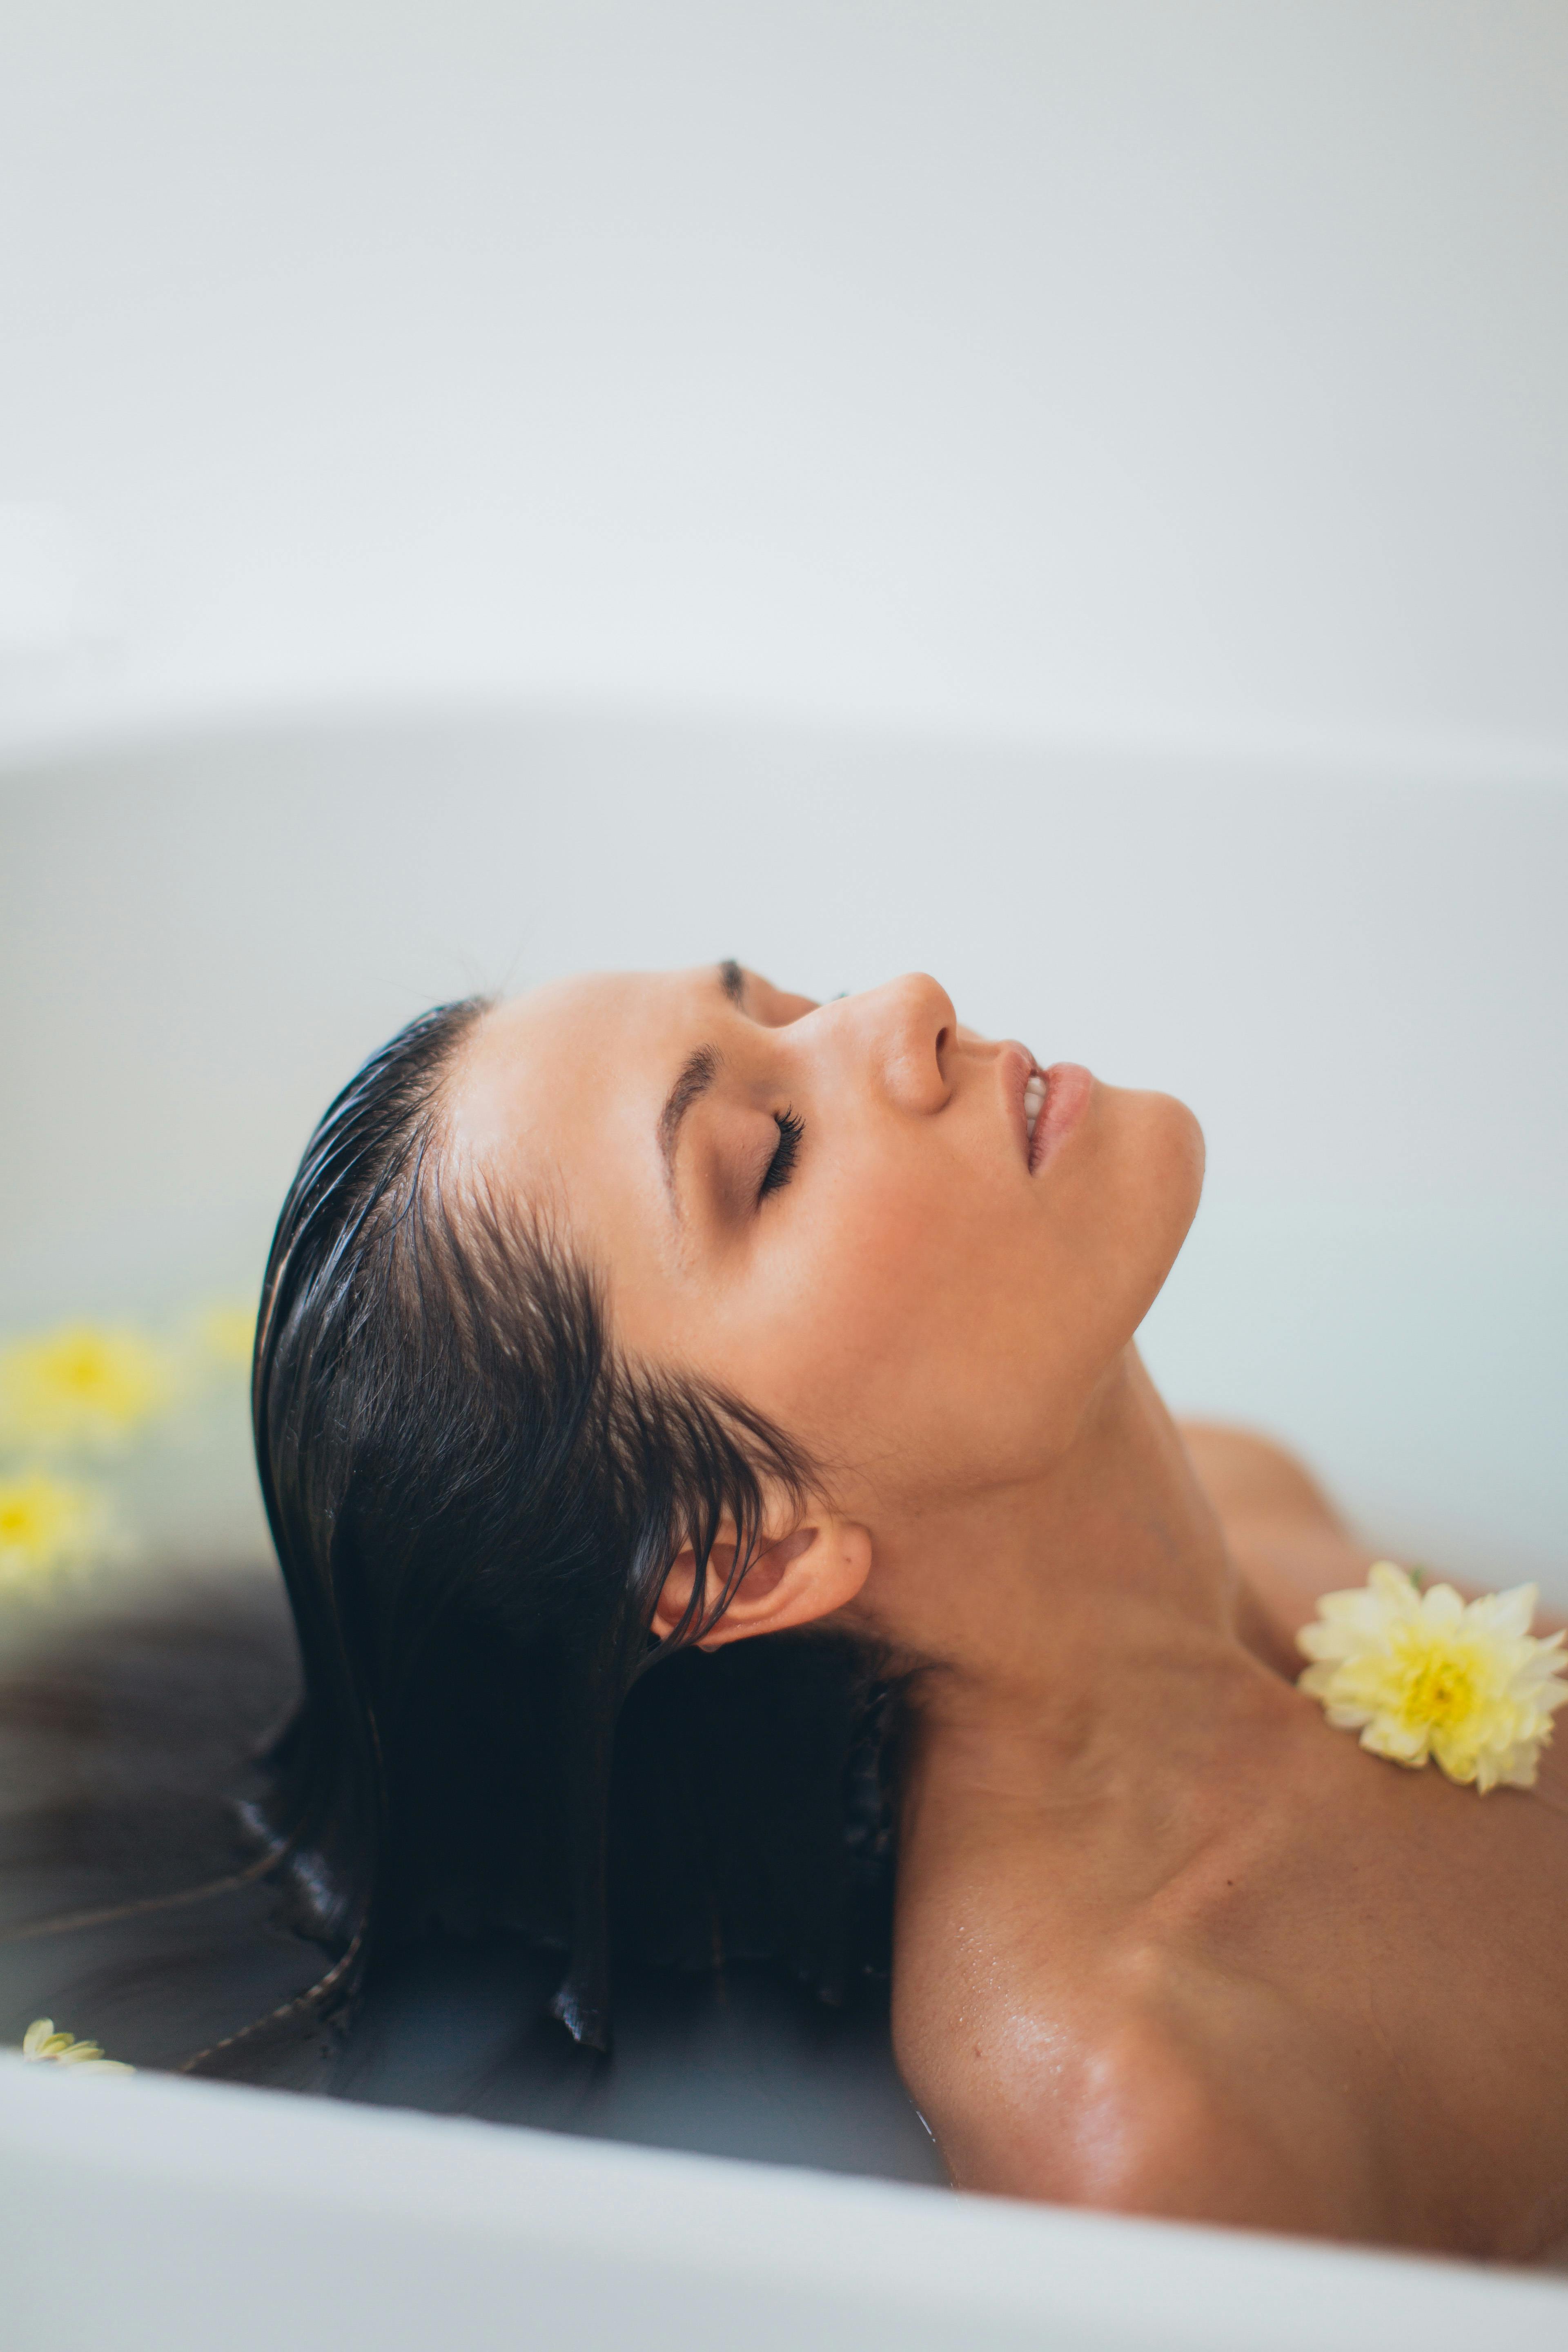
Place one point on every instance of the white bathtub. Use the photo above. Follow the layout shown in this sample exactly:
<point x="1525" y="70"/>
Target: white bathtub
<point x="1360" y="981"/>
<point x="153" y="2214"/>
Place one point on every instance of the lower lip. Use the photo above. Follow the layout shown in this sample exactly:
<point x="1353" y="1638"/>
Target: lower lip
<point x="1067" y="1089"/>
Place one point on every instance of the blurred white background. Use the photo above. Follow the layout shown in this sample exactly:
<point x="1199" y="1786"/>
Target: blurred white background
<point x="1138" y="368"/>
<point x="1070" y="497"/>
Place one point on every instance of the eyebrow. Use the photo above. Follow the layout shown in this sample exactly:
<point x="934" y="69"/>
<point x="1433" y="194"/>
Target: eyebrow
<point x="697" y="1074"/>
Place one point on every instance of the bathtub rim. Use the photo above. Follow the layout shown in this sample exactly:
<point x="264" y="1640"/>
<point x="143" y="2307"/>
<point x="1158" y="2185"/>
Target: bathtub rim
<point x="177" y="2189"/>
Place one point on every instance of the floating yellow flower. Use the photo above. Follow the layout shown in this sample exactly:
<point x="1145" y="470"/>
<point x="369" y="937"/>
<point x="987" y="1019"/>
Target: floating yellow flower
<point x="41" y="2041"/>
<point x="46" y="1524"/>
<point x="84" y="1383"/>
<point x="1424" y="1674"/>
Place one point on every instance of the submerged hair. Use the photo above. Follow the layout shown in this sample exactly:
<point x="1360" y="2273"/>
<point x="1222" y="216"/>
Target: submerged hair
<point x="475" y="1500"/>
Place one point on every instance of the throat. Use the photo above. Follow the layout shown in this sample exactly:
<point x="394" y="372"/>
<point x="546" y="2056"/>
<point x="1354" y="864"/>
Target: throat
<point x="1098" y="1611"/>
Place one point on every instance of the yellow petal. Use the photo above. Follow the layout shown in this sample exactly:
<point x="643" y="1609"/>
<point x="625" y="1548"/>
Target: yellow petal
<point x="1513" y="1613"/>
<point x="1393" y="1587"/>
<point x="1441" y="1605"/>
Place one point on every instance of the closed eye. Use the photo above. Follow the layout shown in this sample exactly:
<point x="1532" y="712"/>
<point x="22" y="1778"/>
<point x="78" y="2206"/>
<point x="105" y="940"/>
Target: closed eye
<point x="781" y="1167"/>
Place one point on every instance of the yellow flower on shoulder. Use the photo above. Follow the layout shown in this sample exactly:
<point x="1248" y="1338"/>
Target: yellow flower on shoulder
<point x="46" y="1524"/>
<point x="83" y="1383"/>
<point x="41" y="2041"/>
<point x="1424" y="1674"/>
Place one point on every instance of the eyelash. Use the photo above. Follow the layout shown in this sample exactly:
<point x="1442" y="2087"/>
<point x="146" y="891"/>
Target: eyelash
<point x="781" y="1167"/>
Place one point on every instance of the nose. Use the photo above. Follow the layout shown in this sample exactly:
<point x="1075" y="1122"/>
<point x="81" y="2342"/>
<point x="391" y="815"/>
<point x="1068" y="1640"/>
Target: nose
<point x="908" y="1026"/>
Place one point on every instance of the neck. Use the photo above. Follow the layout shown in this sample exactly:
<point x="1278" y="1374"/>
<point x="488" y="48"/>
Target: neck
<point x="1106" y="1583"/>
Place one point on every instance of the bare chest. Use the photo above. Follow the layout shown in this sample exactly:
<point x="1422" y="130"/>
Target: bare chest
<point x="1340" y="1934"/>
<point x="1412" y="1938"/>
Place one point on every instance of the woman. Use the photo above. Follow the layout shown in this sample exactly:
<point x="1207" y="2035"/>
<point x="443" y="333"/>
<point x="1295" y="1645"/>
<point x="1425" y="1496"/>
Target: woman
<point x="645" y="1320"/>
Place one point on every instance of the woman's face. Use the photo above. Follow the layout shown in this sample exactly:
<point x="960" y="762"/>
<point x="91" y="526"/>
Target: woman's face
<point x="836" y="1211"/>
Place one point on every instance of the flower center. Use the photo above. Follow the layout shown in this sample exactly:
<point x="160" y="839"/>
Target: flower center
<point x="1438" y="1687"/>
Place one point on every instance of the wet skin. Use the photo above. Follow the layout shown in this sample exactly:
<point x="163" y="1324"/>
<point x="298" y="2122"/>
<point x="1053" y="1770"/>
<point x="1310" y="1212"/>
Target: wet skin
<point x="1166" y="1942"/>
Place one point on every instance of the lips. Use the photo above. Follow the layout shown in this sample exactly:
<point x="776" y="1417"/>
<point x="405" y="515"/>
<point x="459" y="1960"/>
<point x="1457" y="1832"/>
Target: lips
<point x="1064" y="1091"/>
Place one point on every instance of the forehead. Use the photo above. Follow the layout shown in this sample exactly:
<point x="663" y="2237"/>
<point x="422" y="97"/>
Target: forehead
<point x="544" y="1071"/>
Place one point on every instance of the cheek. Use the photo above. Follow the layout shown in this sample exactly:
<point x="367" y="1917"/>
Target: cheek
<point x="961" y="1337"/>
<point x="901" y="1320"/>
<point x="880" y="1338"/>
<point x="838" y="1299"/>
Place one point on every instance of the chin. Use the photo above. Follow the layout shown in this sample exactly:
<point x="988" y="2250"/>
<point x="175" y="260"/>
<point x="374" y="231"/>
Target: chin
<point x="1179" y="1158"/>
<point x="1187" y="1147"/>
<point x="1160" y="1164"/>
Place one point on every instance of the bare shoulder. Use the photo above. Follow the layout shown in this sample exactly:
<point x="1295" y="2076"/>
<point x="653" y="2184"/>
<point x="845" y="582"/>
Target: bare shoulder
<point x="1138" y="2083"/>
<point x="1280" y="1527"/>
<point x="1247" y="1475"/>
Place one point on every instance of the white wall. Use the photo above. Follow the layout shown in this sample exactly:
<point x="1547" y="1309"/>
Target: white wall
<point x="1155" y="371"/>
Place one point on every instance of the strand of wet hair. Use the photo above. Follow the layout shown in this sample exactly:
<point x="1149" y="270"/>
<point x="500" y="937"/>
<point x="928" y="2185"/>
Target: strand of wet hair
<point x="65" y="1923"/>
<point x="68" y="1923"/>
<point x="312" y="1994"/>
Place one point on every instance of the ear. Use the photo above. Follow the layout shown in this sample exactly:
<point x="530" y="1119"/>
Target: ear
<point x="792" y="1581"/>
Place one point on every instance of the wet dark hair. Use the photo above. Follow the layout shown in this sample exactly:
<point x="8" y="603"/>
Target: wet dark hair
<point x="475" y="1500"/>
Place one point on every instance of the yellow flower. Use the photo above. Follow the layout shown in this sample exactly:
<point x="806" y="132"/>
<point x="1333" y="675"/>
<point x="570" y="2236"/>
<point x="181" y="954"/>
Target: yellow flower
<point x="1424" y="1674"/>
<point x="41" y="2041"/>
<point x="82" y="1383"/>
<point x="46" y="1524"/>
